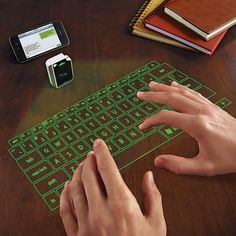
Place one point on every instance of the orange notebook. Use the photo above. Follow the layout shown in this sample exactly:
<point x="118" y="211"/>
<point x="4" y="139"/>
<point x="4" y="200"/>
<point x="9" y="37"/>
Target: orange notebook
<point x="161" y="23"/>
<point x="207" y="18"/>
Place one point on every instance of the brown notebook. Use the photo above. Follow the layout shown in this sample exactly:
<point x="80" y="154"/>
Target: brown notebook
<point x="207" y="18"/>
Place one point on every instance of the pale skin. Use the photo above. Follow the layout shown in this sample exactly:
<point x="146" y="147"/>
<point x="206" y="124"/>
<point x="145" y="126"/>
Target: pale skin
<point x="213" y="129"/>
<point x="97" y="201"/>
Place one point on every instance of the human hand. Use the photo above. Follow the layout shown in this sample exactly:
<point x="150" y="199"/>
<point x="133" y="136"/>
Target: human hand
<point x="98" y="202"/>
<point x="213" y="129"/>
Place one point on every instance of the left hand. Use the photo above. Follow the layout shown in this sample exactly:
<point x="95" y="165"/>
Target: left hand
<point x="98" y="202"/>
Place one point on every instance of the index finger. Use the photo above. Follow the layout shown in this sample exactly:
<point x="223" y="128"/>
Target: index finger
<point x="175" y="100"/>
<point x="108" y="170"/>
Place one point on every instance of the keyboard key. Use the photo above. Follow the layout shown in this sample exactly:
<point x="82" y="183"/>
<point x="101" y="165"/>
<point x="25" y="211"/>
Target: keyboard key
<point x="127" y="90"/>
<point x="142" y="70"/>
<point x="126" y="120"/>
<point x="135" y="101"/>
<point x="115" y="127"/>
<point x="28" y="145"/>
<point x="14" y="141"/>
<point x="70" y="110"/>
<point x="190" y="83"/>
<point x="92" y="124"/>
<point x="80" y="131"/>
<point x="62" y="126"/>
<point x="167" y="80"/>
<point x="25" y="135"/>
<point x="52" y="200"/>
<point x="95" y="107"/>
<point x="51" y="132"/>
<point x="206" y="92"/>
<point x="114" y="112"/>
<point x="121" y="141"/>
<point x="70" y="169"/>
<point x="69" y="137"/>
<point x="16" y="152"/>
<point x="162" y="70"/>
<point x="39" y="171"/>
<point x="57" y="144"/>
<point x="90" y="139"/>
<point x="29" y="160"/>
<point x="69" y="154"/>
<point x="111" y="88"/>
<point x="171" y="132"/>
<point x="106" y="102"/>
<point x="51" y="182"/>
<point x="152" y="64"/>
<point x="84" y="114"/>
<point x="133" y="134"/>
<point x="112" y="147"/>
<point x="46" y="151"/>
<point x="138" y="84"/>
<point x="125" y="106"/>
<point x="104" y="133"/>
<point x="37" y="128"/>
<point x="81" y="148"/>
<point x="102" y="92"/>
<point x="57" y="161"/>
<point x="147" y="79"/>
<point x="103" y="118"/>
<point x="73" y="120"/>
<point x="39" y="139"/>
<point x="138" y="114"/>
<point x="178" y="76"/>
<point x="117" y="96"/>
<point x="223" y="103"/>
<point x="149" y="108"/>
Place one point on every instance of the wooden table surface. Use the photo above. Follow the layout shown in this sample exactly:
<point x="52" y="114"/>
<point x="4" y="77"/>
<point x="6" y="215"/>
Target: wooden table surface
<point x="103" y="50"/>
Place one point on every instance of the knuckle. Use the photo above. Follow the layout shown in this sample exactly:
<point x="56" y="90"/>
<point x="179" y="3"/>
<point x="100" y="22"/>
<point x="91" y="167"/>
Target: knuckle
<point x="98" y="221"/>
<point x="185" y="92"/>
<point x="171" y="97"/>
<point x="163" y="113"/>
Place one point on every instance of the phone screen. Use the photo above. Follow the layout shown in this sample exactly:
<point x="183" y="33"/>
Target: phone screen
<point x="40" y="40"/>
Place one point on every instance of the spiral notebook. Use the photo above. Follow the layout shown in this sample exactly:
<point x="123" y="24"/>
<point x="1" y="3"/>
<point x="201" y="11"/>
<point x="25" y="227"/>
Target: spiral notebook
<point x="137" y="27"/>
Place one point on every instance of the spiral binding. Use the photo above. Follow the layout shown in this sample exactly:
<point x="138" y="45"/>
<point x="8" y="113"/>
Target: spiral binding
<point x="138" y="14"/>
<point x="157" y="10"/>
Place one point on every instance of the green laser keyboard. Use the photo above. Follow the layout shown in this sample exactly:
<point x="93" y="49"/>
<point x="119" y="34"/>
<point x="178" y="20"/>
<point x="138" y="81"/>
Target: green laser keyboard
<point x="49" y="153"/>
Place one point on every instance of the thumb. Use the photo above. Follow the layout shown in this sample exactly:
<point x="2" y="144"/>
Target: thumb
<point x="152" y="199"/>
<point x="179" y="165"/>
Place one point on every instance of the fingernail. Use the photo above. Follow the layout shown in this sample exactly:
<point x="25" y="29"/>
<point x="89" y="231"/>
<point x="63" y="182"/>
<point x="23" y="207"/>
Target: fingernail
<point x="174" y="83"/>
<point x="66" y="183"/>
<point x="140" y="126"/>
<point x="152" y="83"/>
<point x="90" y="153"/>
<point x="96" y="142"/>
<point x="150" y="176"/>
<point x="81" y="163"/>
<point x="140" y="93"/>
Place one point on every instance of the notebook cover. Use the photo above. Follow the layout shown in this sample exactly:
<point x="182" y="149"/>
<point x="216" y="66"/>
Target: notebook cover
<point x="162" y="21"/>
<point x="207" y="15"/>
<point x="137" y="27"/>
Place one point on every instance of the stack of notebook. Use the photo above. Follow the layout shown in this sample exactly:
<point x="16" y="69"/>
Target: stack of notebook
<point x="190" y="24"/>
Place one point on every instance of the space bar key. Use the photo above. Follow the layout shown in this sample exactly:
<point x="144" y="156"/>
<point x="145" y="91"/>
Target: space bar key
<point x="139" y="150"/>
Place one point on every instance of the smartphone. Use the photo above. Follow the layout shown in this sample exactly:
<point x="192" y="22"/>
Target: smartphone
<point x="39" y="40"/>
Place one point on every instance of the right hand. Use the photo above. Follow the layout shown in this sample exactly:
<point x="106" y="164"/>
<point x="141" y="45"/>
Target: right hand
<point x="213" y="129"/>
